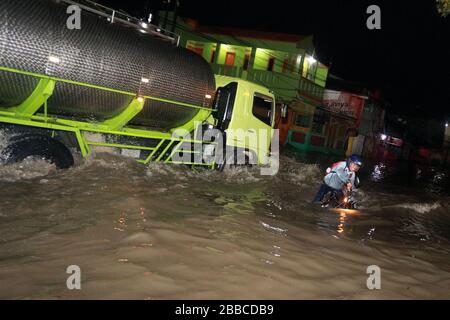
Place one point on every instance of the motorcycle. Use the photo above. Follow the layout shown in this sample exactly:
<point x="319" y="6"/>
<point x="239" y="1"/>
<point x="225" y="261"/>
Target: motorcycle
<point x="339" y="200"/>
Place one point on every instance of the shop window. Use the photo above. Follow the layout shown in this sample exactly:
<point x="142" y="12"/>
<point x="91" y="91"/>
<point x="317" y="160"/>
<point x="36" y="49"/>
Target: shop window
<point x="213" y="56"/>
<point x="229" y="58"/>
<point x="285" y="65"/>
<point x="317" y="128"/>
<point x="246" y="61"/>
<point x="271" y="64"/>
<point x="262" y="108"/>
<point x="317" y="141"/>
<point x="311" y="71"/>
<point x="298" y="137"/>
<point x="319" y="120"/>
<point x="303" y="120"/>
<point x="197" y="50"/>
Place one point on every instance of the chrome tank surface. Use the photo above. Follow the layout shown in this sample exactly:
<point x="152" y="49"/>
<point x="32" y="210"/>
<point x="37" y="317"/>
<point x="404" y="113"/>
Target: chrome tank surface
<point x="102" y="54"/>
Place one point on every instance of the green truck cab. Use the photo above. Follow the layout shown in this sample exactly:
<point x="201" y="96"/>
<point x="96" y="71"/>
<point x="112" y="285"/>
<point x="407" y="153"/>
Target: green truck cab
<point x="249" y="128"/>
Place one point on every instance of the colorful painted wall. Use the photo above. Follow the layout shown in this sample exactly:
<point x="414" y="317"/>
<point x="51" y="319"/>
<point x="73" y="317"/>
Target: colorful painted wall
<point x="283" y="65"/>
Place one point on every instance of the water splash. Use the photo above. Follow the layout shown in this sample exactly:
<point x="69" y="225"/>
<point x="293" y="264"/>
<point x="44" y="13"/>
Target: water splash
<point x="29" y="168"/>
<point x="420" y="207"/>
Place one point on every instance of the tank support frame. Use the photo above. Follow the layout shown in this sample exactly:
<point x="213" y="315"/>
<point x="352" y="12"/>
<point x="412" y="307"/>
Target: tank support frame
<point x="26" y="114"/>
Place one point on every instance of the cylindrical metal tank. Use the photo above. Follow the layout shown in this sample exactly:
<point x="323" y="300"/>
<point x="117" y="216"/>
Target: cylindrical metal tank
<point x="102" y="54"/>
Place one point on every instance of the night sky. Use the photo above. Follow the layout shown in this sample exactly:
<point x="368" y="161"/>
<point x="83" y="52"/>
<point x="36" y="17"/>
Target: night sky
<point x="408" y="59"/>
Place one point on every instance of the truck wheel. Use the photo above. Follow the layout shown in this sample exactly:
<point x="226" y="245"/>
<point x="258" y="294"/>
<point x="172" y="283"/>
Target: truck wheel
<point x="40" y="146"/>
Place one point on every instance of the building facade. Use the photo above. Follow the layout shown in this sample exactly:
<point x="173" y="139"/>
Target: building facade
<point x="283" y="63"/>
<point x="318" y="120"/>
<point x="331" y="123"/>
<point x="372" y="140"/>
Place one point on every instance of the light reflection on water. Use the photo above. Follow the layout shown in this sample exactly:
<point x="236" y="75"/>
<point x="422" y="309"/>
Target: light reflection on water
<point x="378" y="173"/>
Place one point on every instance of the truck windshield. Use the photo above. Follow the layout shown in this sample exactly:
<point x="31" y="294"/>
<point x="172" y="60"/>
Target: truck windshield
<point x="262" y="108"/>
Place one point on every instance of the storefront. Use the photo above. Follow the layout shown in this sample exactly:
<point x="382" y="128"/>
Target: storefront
<point x="326" y="128"/>
<point x="300" y="125"/>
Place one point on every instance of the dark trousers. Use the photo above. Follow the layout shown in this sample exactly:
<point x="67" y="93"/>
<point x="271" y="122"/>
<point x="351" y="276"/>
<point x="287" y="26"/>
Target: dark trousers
<point x="324" y="189"/>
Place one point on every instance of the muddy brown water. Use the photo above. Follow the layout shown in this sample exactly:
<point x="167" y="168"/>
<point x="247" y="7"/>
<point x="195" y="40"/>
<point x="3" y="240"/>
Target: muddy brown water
<point x="171" y="232"/>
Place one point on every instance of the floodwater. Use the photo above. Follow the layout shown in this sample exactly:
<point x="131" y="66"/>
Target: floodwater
<point x="171" y="232"/>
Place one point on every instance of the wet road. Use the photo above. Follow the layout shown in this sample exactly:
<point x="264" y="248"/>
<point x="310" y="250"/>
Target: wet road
<point x="170" y="232"/>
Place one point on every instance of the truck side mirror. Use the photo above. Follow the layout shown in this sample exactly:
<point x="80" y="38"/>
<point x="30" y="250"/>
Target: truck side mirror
<point x="224" y="104"/>
<point x="284" y="111"/>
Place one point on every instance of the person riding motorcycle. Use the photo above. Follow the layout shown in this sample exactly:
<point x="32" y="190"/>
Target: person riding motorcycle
<point x="340" y="175"/>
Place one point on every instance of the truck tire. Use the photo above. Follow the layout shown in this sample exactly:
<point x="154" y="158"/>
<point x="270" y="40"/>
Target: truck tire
<point x="40" y="146"/>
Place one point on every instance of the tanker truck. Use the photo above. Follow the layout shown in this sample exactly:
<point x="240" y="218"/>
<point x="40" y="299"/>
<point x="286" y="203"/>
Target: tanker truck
<point x="119" y="84"/>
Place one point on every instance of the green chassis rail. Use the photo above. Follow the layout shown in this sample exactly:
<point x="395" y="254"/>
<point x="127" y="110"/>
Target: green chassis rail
<point x="26" y="114"/>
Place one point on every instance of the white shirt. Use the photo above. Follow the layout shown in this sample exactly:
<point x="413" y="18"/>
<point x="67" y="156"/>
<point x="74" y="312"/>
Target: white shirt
<point x="339" y="176"/>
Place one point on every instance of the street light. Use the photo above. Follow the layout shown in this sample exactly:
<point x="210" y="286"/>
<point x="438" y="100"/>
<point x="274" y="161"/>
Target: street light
<point x="311" y="60"/>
